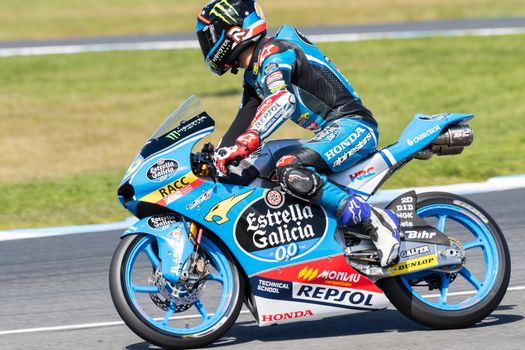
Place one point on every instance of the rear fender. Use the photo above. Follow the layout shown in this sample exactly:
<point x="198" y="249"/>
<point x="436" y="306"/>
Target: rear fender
<point x="422" y="245"/>
<point x="413" y="228"/>
<point x="175" y="246"/>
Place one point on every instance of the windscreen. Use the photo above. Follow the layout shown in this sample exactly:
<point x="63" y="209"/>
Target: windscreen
<point x="187" y="120"/>
<point x="189" y="109"/>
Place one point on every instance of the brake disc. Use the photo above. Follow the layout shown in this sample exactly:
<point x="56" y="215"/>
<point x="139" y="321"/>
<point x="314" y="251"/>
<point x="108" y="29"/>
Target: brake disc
<point x="182" y="294"/>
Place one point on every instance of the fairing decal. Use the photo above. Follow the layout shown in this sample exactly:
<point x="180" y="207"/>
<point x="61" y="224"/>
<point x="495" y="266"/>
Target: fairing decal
<point x="326" y="286"/>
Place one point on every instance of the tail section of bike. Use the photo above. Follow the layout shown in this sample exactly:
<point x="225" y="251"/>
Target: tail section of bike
<point x="425" y="136"/>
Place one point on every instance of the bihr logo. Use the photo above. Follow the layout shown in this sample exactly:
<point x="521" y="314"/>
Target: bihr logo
<point x="280" y="233"/>
<point x="286" y="316"/>
<point x="163" y="170"/>
<point x="413" y="234"/>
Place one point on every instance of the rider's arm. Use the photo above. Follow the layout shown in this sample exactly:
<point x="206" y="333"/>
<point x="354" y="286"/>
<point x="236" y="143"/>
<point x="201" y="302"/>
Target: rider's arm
<point x="273" y="111"/>
<point x="279" y="104"/>
<point x="250" y="102"/>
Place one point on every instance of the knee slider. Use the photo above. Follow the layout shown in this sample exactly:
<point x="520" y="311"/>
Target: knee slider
<point x="299" y="181"/>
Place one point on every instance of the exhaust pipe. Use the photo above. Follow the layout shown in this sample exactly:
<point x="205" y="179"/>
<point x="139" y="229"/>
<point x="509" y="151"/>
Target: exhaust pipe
<point x="450" y="142"/>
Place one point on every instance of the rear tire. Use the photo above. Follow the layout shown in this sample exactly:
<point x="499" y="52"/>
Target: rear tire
<point x="140" y="323"/>
<point x="441" y="315"/>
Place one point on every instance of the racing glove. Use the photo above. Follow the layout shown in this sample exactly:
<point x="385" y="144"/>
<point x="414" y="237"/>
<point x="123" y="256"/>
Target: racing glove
<point x="245" y="145"/>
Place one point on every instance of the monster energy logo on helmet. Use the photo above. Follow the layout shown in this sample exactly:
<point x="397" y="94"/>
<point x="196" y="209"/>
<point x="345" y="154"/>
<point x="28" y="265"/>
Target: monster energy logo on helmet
<point x="221" y="10"/>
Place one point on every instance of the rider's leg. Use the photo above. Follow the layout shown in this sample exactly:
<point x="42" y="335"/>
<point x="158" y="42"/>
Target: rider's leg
<point x="299" y="176"/>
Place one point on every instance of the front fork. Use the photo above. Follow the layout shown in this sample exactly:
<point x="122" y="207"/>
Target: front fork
<point x="176" y="243"/>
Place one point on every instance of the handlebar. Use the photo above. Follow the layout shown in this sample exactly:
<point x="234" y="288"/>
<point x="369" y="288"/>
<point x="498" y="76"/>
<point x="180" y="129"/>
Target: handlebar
<point x="203" y="163"/>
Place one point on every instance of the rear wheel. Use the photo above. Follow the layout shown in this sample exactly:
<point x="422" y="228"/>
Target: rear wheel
<point x="193" y="318"/>
<point x="443" y="299"/>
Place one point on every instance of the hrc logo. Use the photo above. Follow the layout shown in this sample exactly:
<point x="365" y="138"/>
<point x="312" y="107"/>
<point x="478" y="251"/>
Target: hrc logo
<point x="363" y="174"/>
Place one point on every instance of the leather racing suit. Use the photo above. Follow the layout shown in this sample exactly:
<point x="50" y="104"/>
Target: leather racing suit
<point x="292" y="77"/>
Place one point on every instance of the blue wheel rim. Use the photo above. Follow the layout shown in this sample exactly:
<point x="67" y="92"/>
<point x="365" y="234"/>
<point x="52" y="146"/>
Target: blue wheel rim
<point x="210" y="321"/>
<point x="482" y="238"/>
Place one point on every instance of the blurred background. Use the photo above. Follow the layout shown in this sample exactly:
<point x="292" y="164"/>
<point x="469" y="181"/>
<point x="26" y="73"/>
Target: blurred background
<point x="71" y="124"/>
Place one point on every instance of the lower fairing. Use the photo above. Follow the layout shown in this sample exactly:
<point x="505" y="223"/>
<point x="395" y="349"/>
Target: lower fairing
<point x="311" y="290"/>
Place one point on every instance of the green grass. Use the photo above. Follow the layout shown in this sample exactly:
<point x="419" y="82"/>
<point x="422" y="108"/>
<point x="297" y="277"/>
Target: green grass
<point x="70" y="125"/>
<point x="33" y="19"/>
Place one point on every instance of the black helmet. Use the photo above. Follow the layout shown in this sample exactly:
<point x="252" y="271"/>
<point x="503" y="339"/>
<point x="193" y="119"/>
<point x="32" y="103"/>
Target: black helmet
<point x="225" y="28"/>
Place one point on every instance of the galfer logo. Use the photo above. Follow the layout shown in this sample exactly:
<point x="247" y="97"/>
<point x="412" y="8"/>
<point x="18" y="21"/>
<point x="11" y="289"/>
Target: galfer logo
<point x="414" y="251"/>
<point x="424" y="135"/>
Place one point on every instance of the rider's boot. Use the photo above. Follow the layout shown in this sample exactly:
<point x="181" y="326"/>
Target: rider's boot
<point x="381" y="225"/>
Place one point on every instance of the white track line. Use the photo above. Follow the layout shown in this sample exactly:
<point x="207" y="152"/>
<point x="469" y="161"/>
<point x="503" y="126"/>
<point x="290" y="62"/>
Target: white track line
<point x="193" y="44"/>
<point x="470" y="292"/>
<point x="89" y="325"/>
<point x="120" y="323"/>
<point x="495" y="184"/>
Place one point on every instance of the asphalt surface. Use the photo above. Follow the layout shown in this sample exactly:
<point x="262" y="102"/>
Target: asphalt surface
<point x="489" y="23"/>
<point x="61" y="281"/>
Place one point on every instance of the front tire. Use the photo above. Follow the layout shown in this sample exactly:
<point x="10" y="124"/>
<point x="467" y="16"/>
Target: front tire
<point x="405" y="294"/>
<point x="131" y="295"/>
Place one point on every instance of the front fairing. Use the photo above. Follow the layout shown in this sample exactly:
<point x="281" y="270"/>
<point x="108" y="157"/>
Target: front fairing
<point x="161" y="173"/>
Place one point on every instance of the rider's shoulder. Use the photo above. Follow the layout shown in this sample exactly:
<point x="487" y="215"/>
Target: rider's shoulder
<point x="272" y="47"/>
<point x="292" y="36"/>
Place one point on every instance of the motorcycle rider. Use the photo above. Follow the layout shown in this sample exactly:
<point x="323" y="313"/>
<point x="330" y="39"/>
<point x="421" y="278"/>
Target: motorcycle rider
<point x="288" y="77"/>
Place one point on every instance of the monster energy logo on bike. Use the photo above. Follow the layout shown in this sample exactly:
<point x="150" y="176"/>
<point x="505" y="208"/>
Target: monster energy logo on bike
<point x="284" y="233"/>
<point x="221" y="10"/>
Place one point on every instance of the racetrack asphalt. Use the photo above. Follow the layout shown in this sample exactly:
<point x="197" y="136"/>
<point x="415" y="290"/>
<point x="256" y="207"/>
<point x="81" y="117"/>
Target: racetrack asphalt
<point x="61" y="281"/>
<point x="427" y="26"/>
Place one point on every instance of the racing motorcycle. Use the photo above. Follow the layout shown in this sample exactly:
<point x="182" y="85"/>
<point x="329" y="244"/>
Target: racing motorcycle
<point x="203" y="248"/>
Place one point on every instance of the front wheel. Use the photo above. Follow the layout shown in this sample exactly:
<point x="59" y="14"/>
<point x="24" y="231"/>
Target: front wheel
<point x="174" y="317"/>
<point x="444" y="299"/>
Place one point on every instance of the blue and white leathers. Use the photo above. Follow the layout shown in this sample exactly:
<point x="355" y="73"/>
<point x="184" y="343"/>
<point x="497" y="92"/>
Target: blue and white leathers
<point x="324" y="101"/>
<point x="290" y="62"/>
